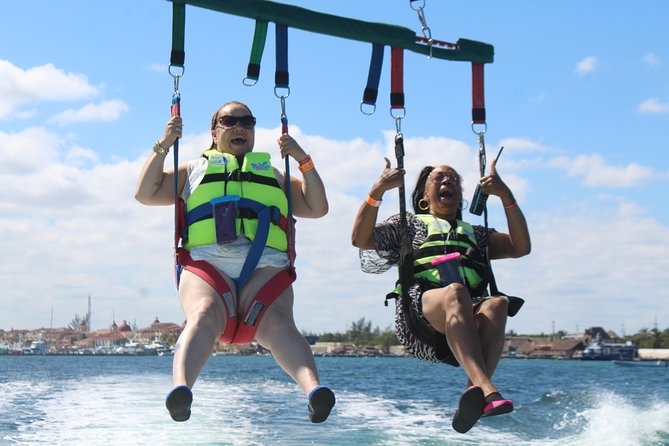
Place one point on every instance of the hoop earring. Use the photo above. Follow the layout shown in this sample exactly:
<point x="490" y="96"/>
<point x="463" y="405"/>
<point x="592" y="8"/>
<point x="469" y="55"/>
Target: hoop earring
<point x="423" y="204"/>
<point x="464" y="204"/>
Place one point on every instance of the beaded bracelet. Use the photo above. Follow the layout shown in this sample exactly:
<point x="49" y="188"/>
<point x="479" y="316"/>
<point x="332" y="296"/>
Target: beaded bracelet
<point x="159" y="149"/>
<point x="372" y="202"/>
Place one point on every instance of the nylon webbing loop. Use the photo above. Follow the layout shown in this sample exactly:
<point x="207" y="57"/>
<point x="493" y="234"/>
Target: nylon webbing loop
<point x="177" y="55"/>
<point x="373" y="78"/>
<point x="281" y="74"/>
<point x="478" y="97"/>
<point x="259" y="38"/>
<point x="396" y="78"/>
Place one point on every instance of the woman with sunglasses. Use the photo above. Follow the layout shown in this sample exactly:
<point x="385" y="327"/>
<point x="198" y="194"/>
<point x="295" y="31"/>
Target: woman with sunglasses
<point x="456" y="308"/>
<point x="236" y="281"/>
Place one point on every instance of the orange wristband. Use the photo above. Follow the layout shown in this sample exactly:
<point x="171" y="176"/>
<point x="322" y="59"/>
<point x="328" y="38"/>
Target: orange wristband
<point x="372" y="202"/>
<point x="306" y="167"/>
<point x="512" y="205"/>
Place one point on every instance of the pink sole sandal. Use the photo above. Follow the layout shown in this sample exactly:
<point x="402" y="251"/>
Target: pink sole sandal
<point x="496" y="405"/>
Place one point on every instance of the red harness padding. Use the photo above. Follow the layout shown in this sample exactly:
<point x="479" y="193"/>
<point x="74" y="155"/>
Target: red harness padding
<point x="238" y="331"/>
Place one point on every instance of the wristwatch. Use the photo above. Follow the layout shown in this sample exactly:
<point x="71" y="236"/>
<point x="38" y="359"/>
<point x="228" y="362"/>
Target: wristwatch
<point x="159" y="149"/>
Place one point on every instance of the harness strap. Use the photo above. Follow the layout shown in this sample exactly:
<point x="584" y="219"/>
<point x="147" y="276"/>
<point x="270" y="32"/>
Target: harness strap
<point x="261" y="302"/>
<point x="210" y="274"/>
<point x="374" y="76"/>
<point x="244" y="331"/>
<point x="281" y="73"/>
<point x="259" y="240"/>
<point x="204" y="211"/>
<point x="178" y="54"/>
<point x="259" y="37"/>
<point x="478" y="98"/>
<point x="396" y="78"/>
<point x="238" y="175"/>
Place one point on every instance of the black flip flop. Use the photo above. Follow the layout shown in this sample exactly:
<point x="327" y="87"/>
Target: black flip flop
<point x="178" y="403"/>
<point x="469" y="410"/>
<point x="321" y="402"/>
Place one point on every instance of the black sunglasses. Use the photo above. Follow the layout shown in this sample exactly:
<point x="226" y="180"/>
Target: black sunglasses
<point x="248" y="121"/>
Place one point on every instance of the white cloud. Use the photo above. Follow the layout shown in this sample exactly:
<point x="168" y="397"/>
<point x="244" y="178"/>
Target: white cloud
<point x="653" y="106"/>
<point x="42" y="83"/>
<point x="596" y="173"/>
<point x="74" y="228"/>
<point x="586" y="66"/>
<point x="523" y="145"/>
<point x="652" y="59"/>
<point x="17" y="148"/>
<point x="157" y="68"/>
<point x="586" y="257"/>
<point x="105" y="111"/>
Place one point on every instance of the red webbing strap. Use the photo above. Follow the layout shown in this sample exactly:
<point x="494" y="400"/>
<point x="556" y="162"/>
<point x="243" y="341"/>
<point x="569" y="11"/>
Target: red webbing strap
<point x="246" y="331"/>
<point x="210" y="274"/>
<point x="478" y="97"/>
<point x="396" y="78"/>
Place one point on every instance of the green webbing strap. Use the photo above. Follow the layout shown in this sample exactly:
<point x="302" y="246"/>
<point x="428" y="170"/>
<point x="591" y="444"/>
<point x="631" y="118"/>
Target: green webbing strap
<point x="321" y="23"/>
<point x="259" y="37"/>
<point x="178" y="25"/>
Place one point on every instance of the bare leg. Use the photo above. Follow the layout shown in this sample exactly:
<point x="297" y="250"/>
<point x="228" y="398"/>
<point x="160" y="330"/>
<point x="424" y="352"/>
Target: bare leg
<point x="278" y="333"/>
<point x="205" y="321"/>
<point x="491" y="322"/>
<point x="449" y="311"/>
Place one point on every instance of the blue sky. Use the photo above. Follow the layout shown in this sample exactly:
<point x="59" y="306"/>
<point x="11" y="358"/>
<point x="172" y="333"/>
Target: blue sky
<point x="578" y="95"/>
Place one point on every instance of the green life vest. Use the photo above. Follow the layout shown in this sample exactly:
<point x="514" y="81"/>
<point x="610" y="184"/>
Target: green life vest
<point x="443" y="239"/>
<point x="255" y="181"/>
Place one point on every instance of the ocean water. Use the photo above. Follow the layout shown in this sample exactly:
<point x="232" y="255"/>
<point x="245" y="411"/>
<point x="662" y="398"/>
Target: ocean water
<point x="118" y="400"/>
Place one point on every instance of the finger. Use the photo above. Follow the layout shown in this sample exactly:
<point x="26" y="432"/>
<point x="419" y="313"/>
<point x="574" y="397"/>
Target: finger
<point x="493" y="171"/>
<point x="387" y="162"/>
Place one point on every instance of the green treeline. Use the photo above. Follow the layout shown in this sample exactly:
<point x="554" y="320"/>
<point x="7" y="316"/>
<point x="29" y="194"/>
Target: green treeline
<point x="362" y="333"/>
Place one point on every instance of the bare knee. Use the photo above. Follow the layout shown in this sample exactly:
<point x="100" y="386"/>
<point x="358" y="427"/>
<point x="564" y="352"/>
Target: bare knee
<point x="277" y="320"/>
<point x="497" y="306"/>
<point x="455" y="295"/>
<point x="442" y="304"/>
<point x="494" y="310"/>
<point x="206" y="315"/>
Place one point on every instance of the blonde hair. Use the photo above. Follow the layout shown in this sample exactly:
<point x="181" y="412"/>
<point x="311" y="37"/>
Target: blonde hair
<point x="214" y="118"/>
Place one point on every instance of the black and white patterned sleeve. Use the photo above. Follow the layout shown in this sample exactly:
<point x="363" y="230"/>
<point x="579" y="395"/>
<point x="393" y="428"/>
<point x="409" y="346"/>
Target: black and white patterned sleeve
<point x="387" y="240"/>
<point x="482" y="236"/>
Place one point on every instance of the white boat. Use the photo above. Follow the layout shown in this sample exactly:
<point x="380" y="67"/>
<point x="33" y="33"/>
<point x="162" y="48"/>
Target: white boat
<point x="643" y="363"/>
<point x="131" y="348"/>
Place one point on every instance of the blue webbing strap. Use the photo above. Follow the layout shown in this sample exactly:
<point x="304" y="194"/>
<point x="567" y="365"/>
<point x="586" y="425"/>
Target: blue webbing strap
<point x="281" y="73"/>
<point x="259" y="241"/>
<point x="372" y="89"/>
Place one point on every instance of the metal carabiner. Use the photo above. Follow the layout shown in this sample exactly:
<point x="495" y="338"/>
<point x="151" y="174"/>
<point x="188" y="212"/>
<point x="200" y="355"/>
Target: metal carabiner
<point x="427" y="33"/>
<point x="398" y="120"/>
